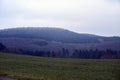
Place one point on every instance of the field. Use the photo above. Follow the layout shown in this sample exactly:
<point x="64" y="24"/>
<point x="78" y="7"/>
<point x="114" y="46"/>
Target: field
<point x="23" y="67"/>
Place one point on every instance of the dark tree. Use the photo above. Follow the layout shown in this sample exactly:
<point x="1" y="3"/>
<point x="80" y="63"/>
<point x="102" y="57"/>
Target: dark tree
<point x="2" y="47"/>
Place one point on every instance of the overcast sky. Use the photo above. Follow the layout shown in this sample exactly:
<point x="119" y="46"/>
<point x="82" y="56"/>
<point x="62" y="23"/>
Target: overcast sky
<point x="101" y="17"/>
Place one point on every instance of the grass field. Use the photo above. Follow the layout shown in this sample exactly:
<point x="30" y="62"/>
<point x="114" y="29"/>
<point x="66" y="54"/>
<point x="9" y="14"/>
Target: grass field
<point x="24" y="67"/>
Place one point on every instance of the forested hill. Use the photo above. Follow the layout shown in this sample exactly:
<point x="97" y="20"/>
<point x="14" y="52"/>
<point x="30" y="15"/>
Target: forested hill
<point x="54" y="34"/>
<point x="56" y="42"/>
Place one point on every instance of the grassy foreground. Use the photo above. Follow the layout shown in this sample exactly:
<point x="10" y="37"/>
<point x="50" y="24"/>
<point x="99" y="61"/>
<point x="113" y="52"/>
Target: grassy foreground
<point x="24" y="67"/>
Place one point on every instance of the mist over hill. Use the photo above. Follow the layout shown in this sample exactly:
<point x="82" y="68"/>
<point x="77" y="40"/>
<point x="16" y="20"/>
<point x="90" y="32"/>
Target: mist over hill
<point x="56" y="41"/>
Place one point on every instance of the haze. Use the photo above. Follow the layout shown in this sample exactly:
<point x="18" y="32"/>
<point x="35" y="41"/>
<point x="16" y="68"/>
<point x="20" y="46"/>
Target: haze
<point x="101" y="17"/>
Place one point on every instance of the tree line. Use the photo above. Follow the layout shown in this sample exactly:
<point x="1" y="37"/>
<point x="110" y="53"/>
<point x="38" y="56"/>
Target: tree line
<point x="65" y="53"/>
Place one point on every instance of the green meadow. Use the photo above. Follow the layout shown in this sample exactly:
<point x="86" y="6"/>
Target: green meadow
<point x="24" y="67"/>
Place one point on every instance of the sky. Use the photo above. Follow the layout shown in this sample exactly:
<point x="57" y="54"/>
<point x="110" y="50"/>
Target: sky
<point x="100" y="17"/>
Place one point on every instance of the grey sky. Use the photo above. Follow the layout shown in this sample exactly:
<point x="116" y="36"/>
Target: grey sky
<point x="100" y="17"/>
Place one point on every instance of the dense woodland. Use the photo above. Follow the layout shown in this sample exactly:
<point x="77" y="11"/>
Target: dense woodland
<point x="83" y="54"/>
<point x="65" y="53"/>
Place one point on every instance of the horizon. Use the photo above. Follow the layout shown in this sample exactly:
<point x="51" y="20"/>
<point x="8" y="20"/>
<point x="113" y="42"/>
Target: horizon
<point x="99" y="17"/>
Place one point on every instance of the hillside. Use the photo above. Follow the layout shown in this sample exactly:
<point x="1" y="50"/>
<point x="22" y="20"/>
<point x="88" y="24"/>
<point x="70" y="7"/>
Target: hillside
<point x="55" y="42"/>
<point x="55" y="34"/>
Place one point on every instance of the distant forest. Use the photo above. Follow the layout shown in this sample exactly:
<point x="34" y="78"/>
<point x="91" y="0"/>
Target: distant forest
<point x="82" y="54"/>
